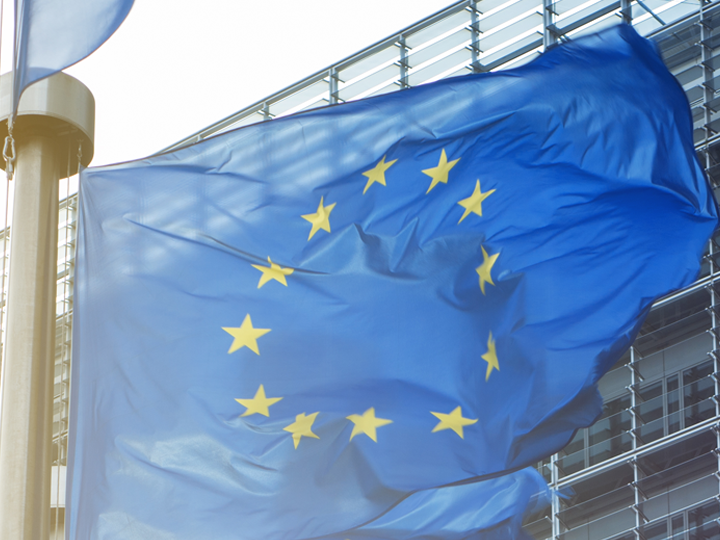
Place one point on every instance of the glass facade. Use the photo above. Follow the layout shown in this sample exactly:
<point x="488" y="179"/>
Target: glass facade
<point x="650" y="467"/>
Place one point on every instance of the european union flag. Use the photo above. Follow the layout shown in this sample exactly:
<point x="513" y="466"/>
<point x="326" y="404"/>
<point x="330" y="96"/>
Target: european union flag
<point x="352" y="322"/>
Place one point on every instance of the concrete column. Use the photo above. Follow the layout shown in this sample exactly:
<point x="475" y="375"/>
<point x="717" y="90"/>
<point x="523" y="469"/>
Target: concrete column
<point x="55" y="116"/>
<point x="26" y="431"/>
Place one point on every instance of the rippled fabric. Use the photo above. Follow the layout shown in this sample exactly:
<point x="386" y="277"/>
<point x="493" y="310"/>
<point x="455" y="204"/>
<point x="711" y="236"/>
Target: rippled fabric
<point x="487" y="509"/>
<point x="324" y="324"/>
<point x="51" y="35"/>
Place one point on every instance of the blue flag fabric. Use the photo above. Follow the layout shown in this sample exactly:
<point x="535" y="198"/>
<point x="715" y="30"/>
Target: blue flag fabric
<point x="490" y="509"/>
<point x="324" y="325"/>
<point x="51" y="35"/>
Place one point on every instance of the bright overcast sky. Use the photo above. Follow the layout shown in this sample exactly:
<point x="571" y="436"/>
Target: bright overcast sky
<point x="177" y="66"/>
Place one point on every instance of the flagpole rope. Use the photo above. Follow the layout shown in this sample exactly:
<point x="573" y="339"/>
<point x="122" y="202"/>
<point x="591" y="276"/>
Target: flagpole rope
<point x="9" y="147"/>
<point x="3" y="296"/>
<point x="2" y="12"/>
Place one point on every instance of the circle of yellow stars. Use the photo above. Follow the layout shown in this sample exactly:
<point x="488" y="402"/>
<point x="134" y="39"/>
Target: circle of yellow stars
<point x="367" y="423"/>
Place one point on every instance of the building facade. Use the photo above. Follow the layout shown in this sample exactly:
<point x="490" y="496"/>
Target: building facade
<point x="650" y="467"/>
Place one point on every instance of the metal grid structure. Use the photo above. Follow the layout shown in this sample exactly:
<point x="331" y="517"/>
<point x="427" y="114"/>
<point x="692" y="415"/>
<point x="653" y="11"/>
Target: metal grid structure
<point x="466" y="37"/>
<point x="650" y="467"/>
<point x="63" y="351"/>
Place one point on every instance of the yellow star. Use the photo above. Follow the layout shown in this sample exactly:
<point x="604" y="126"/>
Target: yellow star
<point x="245" y="336"/>
<point x="367" y="423"/>
<point x="485" y="269"/>
<point x="474" y="202"/>
<point x="454" y="421"/>
<point x="259" y="404"/>
<point x="274" y="271"/>
<point x="302" y="427"/>
<point x="377" y="173"/>
<point x="440" y="173"/>
<point x="320" y="219"/>
<point x="491" y="357"/>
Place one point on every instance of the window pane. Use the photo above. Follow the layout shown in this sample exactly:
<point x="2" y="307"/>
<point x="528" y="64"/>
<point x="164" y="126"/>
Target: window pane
<point x="657" y="531"/>
<point x="578" y="443"/>
<point x="610" y="448"/>
<point x="699" y="391"/>
<point x="697" y="372"/>
<point x="703" y="518"/>
<point x="698" y="412"/>
<point x="609" y="427"/>
<point x="678" y="526"/>
<point x="652" y="409"/>
<point x="572" y="463"/>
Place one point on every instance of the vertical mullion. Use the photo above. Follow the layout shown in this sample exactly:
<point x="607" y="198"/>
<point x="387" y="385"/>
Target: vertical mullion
<point x="626" y="11"/>
<point x="404" y="66"/>
<point x="665" y="406"/>
<point x="333" y="85"/>
<point x="554" y="479"/>
<point x="549" y="37"/>
<point x="636" y="505"/>
<point x="266" y="112"/>
<point x="705" y="56"/>
<point x="475" y="32"/>
<point x="634" y="426"/>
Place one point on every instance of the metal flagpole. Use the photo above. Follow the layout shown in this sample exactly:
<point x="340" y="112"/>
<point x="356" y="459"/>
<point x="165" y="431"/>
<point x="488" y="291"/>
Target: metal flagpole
<point x="53" y="113"/>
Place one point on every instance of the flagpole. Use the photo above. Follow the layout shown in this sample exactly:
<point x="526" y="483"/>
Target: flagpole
<point x="55" y="114"/>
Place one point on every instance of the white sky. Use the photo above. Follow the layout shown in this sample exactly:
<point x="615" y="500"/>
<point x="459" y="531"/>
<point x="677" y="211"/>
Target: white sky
<point x="177" y="66"/>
